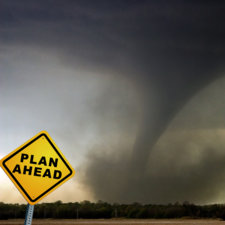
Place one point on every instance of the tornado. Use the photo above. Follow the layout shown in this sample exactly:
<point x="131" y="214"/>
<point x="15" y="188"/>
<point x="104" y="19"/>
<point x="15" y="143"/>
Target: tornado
<point x="178" y="76"/>
<point x="166" y="52"/>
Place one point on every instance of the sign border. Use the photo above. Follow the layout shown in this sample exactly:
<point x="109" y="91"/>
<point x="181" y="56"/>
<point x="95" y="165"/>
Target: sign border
<point x="43" y="133"/>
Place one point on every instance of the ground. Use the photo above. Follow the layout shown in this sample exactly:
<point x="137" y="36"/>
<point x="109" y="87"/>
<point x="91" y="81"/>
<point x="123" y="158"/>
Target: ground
<point x="115" y="222"/>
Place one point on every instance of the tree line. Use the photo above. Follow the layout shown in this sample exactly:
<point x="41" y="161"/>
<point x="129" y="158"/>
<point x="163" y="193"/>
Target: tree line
<point x="101" y="209"/>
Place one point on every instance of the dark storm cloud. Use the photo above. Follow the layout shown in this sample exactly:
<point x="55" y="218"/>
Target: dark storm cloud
<point x="169" y="182"/>
<point x="170" y="51"/>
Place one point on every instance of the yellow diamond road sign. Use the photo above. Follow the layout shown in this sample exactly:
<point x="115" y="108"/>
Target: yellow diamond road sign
<point x="37" y="167"/>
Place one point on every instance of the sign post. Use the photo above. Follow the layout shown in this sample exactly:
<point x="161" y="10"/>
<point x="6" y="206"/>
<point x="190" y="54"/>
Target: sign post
<point x="37" y="168"/>
<point x="29" y="214"/>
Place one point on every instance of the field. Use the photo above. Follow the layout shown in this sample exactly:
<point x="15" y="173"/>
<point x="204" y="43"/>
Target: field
<point x="114" y="222"/>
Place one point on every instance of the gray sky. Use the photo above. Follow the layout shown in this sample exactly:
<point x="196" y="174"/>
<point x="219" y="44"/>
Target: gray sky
<point x="132" y="93"/>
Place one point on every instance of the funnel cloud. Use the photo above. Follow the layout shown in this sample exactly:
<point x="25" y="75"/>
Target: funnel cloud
<point x="140" y="89"/>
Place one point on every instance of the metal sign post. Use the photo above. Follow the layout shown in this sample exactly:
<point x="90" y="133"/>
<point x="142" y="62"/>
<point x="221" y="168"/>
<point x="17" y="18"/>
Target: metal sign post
<point x="29" y="214"/>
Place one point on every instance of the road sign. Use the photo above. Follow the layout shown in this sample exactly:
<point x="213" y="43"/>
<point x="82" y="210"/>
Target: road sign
<point x="37" y="167"/>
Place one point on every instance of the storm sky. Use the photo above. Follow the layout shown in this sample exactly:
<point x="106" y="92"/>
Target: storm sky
<point x="132" y="92"/>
